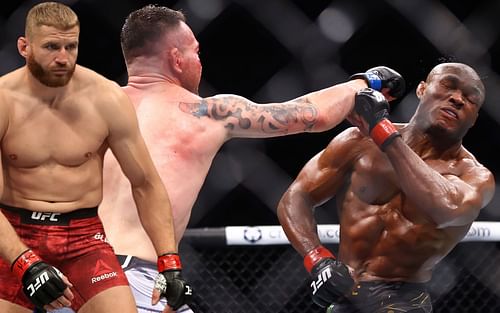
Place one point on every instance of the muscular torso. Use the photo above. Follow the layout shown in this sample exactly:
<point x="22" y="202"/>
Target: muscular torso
<point x="182" y="147"/>
<point x="52" y="148"/>
<point x="383" y="235"/>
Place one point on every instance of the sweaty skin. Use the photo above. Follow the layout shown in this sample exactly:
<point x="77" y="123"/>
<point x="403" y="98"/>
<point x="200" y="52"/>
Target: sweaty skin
<point x="44" y="147"/>
<point x="53" y="141"/>
<point x="401" y="211"/>
<point x="183" y="133"/>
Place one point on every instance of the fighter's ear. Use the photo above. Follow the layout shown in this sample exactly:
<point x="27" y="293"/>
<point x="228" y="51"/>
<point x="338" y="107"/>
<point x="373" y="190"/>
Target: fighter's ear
<point x="175" y="59"/>
<point x="22" y="46"/>
<point x="421" y="89"/>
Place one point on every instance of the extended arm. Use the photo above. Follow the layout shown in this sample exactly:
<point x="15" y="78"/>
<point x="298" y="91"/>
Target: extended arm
<point x="314" y="112"/>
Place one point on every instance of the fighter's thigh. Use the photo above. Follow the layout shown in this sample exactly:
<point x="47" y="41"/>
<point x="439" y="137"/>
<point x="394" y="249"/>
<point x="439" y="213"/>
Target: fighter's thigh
<point x="115" y="299"/>
<point x="6" y="306"/>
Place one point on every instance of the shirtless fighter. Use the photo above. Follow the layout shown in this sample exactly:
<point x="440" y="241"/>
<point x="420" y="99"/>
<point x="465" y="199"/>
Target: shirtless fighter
<point x="406" y="195"/>
<point x="57" y="120"/>
<point x="184" y="132"/>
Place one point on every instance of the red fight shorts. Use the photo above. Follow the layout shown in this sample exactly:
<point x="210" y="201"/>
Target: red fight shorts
<point x="74" y="243"/>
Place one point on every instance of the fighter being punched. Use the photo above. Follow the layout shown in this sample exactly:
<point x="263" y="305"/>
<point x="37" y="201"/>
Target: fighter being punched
<point x="184" y="131"/>
<point x="406" y="195"/>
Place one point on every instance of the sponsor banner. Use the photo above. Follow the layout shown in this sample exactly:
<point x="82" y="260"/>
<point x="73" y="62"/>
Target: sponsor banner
<point x="483" y="231"/>
<point x="329" y="233"/>
<point x="273" y="235"/>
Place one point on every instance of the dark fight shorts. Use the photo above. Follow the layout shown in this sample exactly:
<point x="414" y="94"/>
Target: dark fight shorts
<point x="385" y="297"/>
<point x="74" y="243"/>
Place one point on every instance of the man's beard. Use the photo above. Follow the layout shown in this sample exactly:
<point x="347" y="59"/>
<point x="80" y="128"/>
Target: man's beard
<point x="47" y="78"/>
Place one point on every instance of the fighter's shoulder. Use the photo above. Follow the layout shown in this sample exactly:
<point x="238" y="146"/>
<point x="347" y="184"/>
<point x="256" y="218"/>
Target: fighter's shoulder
<point x="105" y="89"/>
<point x="12" y="80"/>
<point x="470" y="163"/>
<point x="351" y="144"/>
<point x="195" y="105"/>
<point x="348" y="145"/>
<point x="7" y="97"/>
<point x="349" y="136"/>
<point x="92" y="79"/>
<point x="476" y="174"/>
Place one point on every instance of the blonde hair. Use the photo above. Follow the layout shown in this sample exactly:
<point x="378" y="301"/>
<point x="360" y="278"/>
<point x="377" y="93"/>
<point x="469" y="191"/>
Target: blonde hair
<point x="52" y="14"/>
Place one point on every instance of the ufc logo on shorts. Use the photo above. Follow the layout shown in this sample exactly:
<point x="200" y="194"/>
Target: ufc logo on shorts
<point x="40" y="280"/>
<point x="322" y="278"/>
<point x="45" y="216"/>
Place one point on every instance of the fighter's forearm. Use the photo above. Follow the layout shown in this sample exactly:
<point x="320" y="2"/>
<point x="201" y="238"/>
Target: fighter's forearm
<point x="433" y="193"/>
<point x="10" y="244"/>
<point x="297" y="219"/>
<point x="317" y="111"/>
<point x="155" y="214"/>
<point x="333" y="104"/>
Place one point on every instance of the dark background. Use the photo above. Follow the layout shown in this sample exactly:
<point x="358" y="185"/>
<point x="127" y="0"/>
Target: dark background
<point x="273" y="50"/>
<point x="277" y="50"/>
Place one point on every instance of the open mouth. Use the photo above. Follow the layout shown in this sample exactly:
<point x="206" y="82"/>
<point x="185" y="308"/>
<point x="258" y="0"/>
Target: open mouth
<point x="450" y="113"/>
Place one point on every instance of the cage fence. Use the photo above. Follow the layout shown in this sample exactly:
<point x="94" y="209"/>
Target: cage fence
<point x="247" y="274"/>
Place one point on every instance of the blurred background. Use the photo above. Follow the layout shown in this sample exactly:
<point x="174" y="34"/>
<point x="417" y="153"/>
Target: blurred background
<point x="277" y="50"/>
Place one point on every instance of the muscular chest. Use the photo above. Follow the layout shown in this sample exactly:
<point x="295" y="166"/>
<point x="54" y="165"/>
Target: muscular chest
<point x="68" y="134"/>
<point x="373" y="179"/>
<point x="375" y="182"/>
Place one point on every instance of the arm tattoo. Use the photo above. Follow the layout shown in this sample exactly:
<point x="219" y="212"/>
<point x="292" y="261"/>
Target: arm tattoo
<point x="239" y="112"/>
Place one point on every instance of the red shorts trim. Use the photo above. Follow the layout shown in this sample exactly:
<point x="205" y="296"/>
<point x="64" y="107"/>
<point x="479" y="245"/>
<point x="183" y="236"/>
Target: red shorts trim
<point x="79" y="250"/>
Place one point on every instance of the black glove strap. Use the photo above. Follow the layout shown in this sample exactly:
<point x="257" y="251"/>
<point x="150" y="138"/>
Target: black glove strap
<point x="42" y="284"/>
<point x="174" y="288"/>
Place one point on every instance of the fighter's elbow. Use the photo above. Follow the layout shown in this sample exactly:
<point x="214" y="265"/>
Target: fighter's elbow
<point x="323" y="123"/>
<point x="456" y="215"/>
<point x="287" y="205"/>
<point x="283" y="206"/>
<point x="294" y="202"/>
<point x="143" y="185"/>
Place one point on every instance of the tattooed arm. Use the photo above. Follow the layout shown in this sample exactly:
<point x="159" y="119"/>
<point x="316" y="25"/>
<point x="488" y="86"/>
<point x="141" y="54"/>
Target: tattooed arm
<point x="315" y="112"/>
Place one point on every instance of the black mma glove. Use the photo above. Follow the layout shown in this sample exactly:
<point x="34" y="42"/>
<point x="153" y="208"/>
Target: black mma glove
<point x="330" y="279"/>
<point x="42" y="283"/>
<point x="170" y="282"/>
<point x="383" y="77"/>
<point x="374" y="109"/>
